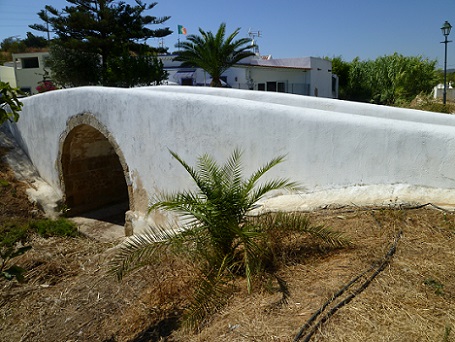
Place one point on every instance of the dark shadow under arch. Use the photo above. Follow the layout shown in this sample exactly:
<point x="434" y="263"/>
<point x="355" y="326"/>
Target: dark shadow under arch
<point x="92" y="174"/>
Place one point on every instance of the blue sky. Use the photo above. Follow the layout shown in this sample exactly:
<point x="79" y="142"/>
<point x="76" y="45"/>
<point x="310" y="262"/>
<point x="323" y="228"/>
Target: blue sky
<point x="294" y="28"/>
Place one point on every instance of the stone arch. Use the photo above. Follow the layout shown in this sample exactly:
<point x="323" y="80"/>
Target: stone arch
<point x="92" y="168"/>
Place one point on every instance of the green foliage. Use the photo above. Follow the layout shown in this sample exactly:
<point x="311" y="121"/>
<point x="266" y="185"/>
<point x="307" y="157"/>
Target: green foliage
<point x="388" y="80"/>
<point x="91" y="38"/>
<point x="72" y="68"/>
<point x="10" y="272"/>
<point x="60" y="227"/>
<point x="437" y="286"/>
<point x="214" y="53"/>
<point x="16" y="45"/>
<point x="13" y="232"/>
<point x="13" y="45"/>
<point x="341" y="69"/>
<point x="36" y="42"/>
<point x="129" y="70"/>
<point x="9" y="97"/>
<point x="14" y="235"/>
<point x="221" y="238"/>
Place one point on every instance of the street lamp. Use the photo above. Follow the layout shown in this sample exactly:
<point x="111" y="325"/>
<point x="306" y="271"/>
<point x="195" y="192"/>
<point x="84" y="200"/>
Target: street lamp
<point x="445" y="32"/>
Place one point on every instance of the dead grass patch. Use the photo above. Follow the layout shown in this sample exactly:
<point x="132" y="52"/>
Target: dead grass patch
<point x="70" y="297"/>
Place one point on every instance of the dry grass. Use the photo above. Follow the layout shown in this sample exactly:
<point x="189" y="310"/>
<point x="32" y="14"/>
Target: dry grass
<point x="69" y="296"/>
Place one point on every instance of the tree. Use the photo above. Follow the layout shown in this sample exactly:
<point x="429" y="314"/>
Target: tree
<point x="132" y="70"/>
<point x="102" y="29"/>
<point x="12" y="45"/>
<point x="214" y="53"/>
<point x="71" y="68"/>
<point x="35" y="42"/>
<point x="222" y="239"/>
<point x="341" y="69"/>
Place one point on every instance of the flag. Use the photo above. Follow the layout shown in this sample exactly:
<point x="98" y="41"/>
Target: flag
<point x="181" y="30"/>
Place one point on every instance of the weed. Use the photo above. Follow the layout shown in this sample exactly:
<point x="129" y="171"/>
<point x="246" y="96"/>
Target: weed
<point x="13" y="237"/>
<point x="448" y="222"/>
<point x="10" y="272"/>
<point x="437" y="286"/>
<point x="447" y="332"/>
<point x="13" y="232"/>
<point x="60" y="227"/>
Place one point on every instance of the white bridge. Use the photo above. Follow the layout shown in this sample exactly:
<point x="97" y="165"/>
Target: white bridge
<point x="96" y="146"/>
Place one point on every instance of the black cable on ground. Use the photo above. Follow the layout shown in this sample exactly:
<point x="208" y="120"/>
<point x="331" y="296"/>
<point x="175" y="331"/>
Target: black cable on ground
<point x="345" y="301"/>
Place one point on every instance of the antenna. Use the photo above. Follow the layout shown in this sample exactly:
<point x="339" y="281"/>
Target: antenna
<point x="253" y="35"/>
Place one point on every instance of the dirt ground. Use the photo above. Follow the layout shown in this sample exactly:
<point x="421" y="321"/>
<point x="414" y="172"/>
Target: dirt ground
<point x="69" y="295"/>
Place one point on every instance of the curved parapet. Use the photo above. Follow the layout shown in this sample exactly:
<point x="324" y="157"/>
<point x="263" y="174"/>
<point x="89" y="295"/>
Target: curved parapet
<point x="75" y="135"/>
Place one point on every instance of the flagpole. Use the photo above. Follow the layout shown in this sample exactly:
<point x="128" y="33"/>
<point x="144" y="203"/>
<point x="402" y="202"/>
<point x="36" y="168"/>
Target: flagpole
<point x="179" y="30"/>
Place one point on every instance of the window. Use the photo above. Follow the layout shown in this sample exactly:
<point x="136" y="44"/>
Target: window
<point x="187" y="81"/>
<point x="30" y="63"/>
<point x="261" y="86"/>
<point x="281" y="87"/>
<point x="26" y="90"/>
<point x="271" y="86"/>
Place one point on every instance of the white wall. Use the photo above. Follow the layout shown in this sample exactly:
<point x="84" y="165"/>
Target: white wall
<point x="321" y="78"/>
<point x="329" y="144"/>
<point x="314" y="82"/>
<point x="7" y="75"/>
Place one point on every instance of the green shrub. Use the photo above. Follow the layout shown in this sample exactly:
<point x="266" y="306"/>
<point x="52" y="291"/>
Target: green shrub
<point x="9" y="97"/>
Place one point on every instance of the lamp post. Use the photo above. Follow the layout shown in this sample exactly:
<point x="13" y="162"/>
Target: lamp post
<point x="445" y="32"/>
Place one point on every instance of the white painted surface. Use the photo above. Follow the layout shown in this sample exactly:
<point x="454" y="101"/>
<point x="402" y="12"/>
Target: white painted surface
<point x="330" y="144"/>
<point x="438" y="92"/>
<point x="305" y="76"/>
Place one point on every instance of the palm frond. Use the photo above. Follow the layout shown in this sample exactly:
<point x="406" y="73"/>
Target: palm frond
<point x="251" y="182"/>
<point x="276" y="184"/>
<point x="298" y="222"/>
<point x="140" y="250"/>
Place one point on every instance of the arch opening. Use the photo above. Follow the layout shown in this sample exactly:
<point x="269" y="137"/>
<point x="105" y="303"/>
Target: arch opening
<point x="93" y="176"/>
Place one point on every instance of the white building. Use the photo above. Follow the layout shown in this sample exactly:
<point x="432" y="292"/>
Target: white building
<point x="438" y="92"/>
<point x="25" y="71"/>
<point x="304" y="76"/>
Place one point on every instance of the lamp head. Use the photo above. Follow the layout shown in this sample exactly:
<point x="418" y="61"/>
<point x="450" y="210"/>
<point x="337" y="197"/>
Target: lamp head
<point x="446" y="28"/>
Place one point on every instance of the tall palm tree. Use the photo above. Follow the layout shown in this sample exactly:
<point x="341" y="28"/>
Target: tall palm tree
<point x="214" y="53"/>
<point x="221" y="238"/>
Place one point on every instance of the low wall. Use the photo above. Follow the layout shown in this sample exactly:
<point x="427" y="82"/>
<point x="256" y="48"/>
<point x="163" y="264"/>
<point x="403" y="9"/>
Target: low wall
<point x="329" y="144"/>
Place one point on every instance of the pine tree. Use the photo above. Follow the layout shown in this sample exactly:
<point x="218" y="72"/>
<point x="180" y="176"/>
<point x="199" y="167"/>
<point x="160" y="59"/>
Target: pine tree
<point x="106" y="29"/>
